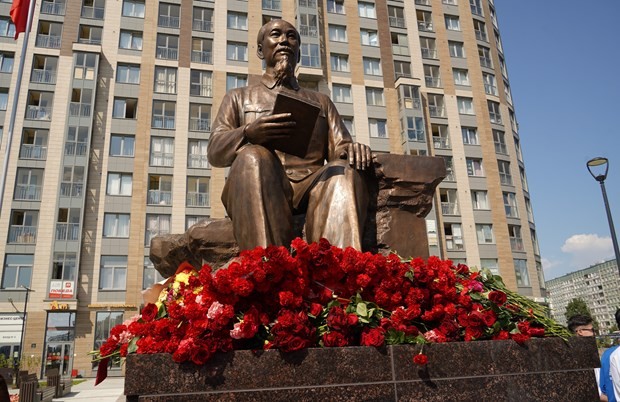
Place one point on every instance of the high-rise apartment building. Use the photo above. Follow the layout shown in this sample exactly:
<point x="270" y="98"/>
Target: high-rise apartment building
<point x="113" y="124"/>
<point x="598" y="286"/>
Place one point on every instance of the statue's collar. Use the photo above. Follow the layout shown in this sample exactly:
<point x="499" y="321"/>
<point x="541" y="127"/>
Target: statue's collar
<point x="270" y="82"/>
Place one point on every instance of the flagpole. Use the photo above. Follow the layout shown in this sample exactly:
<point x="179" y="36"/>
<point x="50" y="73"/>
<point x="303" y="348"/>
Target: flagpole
<point x="18" y="84"/>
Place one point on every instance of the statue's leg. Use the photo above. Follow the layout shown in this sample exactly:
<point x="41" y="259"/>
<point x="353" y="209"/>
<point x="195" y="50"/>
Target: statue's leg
<point x="337" y="206"/>
<point x="258" y="198"/>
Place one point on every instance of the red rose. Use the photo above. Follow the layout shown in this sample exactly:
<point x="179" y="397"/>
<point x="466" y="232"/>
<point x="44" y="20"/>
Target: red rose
<point x="124" y="347"/>
<point x="372" y="337"/>
<point x="520" y="338"/>
<point x="149" y="312"/>
<point x="334" y="339"/>
<point x="502" y="335"/>
<point x="420" y="359"/>
<point x="316" y="309"/>
<point x="498" y="297"/>
<point x="107" y="348"/>
<point x="537" y="332"/>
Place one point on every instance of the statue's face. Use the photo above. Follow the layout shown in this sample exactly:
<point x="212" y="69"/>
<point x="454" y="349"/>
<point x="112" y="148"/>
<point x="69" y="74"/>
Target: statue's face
<point x="280" y="40"/>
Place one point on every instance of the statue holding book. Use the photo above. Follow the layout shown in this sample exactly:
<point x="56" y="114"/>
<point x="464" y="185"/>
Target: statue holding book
<point x="289" y="153"/>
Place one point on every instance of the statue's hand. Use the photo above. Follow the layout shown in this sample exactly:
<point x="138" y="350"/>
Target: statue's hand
<point x="359" y="155"/>
<point x="267" y="128"/>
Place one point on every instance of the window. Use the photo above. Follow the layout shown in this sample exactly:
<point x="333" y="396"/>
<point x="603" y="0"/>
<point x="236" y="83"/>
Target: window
<point x="162" y="151"/>
<point x="39" y="104"/>
<point x="409" y="96"/>
<point x="310" y="55"/>
<point x="191" y="220"/>
<point x="237" y="21"/>
<point x="456" y="49"/>
<point x="535" y="242"/>
<point x="90" y="35"/>
<point x="452" y="22"/>
<point x="164" y="115"/>
<point x="17" y="271"/>
<point x="400" y="44"/>
<point x="335" y="6"/>
<point x="156" y="225"/>
<point x="199" y="117"/>
<point x="480" y="31"/>
<point x="374" y="97"/>
<point x="84" y="68"/>
<point x="339" y="62"/>
<point x="516" y="242"/>
<point x="34" y="144"/>
<point x="49" y="35"/>
<point x="396" y="17"/>
<point x="197" y="154"/>
<point x="476" y="7"/>
<point x="523" y="179"/>
<point x="474" y="167"/>
<point x="128" y="73"/>
<point x="378" y="128"/>
<point x="165" y="80"/>
<point x="105" y="321"/>
<point x="494" y="114"/>
<point x="485" y="233"/>
<point x="449" y="168"/>
<point x="528" y="208"/>
<point x="369" y="37"/>
<point x="490" y="264"/>
<point x="348" y="123"/>
<point x="272" y="5"/>
<point x="131" y="40"/>
<point x="160" y="190"/>
<point x="490" y="85"/>
<point x="402" y="69"/>
<point x="485" y="56"/>
<point x="4" y="98"/>
<point x="167" y="47"/>
<point x="500" y="142"/>
<point x="510" y="204"/>
<point x="431" y="76"/>
<point x="441" y="136"/>
<point x="504" y="173"/>
<point x="342" y="93"/>
<point x="470" y="135"/>
<point x="203" y="20"/>
<point x="429" y="48"/>
<point x="68" y="224"/>
<point x="523" y="278"/>
<point x="415" y="128"/>
<point x="479" y="199"/>
<point x="125" y="108"/>
<point x="201" y="83"/>
<point x="454" y="237"/>
<point x="133" y="8"/>
<point x="197" y="192"/>
<point x="56" y="7"/>
<point x="23" y="229"/>
<point x="425" y="21"/>
<point x="372" y="66"/>
<point x="169" y="15"/>
<point x="237" y="51"/>
<point x="465" y="105"/>
<point x="64" y="266"/>
<point x="449" y="2"/>
<point x="116" y="225"/>
<point x="150" y="275"/>
<point x="6" y="62"/>
<point x="308" y="25"/>
<point x="337" y="33"/>
<point x="119" y="184"/>
<point x="72" y="184"/>
<point x="7" y="29"/>
<point x="236" y="81"/>
<point x="436" y="105"/>
<point x="77" y="141"/>
<point x="122" y="145"/>
<point x="113" y="273"/>
<point x="461" y="76"/>
<point x="366" y="10"/>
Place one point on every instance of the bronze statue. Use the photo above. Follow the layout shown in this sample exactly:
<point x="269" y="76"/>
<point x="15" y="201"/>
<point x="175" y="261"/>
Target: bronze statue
<point x="266" y="187"/>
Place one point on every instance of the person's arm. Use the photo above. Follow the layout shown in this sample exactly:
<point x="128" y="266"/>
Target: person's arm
<point x="341" y="146"/>
<point x="227" y="133"/>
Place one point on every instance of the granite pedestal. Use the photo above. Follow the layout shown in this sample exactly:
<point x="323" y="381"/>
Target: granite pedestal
<point x="542" y="370"/>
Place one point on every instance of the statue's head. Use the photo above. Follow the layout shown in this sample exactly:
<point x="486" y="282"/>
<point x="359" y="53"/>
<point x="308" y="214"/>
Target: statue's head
<point x="278" y="44"/>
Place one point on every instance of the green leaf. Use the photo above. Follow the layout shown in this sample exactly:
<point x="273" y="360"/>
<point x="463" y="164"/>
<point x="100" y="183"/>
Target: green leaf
<point x="362" y="311"/>
<point x="409" y="275"/>
<point x="133" y="345"/>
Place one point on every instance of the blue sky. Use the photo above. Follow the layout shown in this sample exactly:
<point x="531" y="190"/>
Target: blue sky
<point x="563" y="59"/>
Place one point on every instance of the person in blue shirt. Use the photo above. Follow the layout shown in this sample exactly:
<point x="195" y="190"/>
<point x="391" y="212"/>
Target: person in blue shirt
<point x="606" y="384"/>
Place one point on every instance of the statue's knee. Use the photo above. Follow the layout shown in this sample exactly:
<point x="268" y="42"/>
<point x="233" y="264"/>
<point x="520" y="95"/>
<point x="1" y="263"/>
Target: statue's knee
<point x="254" y="154"/>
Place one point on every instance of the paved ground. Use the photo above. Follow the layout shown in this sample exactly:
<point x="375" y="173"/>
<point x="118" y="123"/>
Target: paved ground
<point x="111" y="390"/>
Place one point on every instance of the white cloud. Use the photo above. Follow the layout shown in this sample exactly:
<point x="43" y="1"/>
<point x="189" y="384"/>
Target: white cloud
<point x="588" y="249"/>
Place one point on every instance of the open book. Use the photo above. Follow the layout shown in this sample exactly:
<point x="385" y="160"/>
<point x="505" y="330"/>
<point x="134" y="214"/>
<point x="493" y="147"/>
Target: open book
<point x="305" y="113"/>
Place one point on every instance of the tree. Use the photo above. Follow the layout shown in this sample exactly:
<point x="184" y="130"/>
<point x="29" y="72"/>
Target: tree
<point x="579" y="307"/>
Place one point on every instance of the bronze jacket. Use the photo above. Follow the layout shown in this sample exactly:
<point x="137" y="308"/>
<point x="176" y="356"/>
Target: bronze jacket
<point x="241" y="106"/>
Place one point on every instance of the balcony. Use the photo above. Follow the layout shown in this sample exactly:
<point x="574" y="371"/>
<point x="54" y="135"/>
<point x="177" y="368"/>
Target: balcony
<point x="476" y="10"/>
<point x="397" y="22"/>
<point x="27" y="192"/>
<point x="486" y="62"/>
<point x="77" y="109"/>
<point x="31" y="151"/>
<point x="272" y="5"/>
<point x="516" y="244"/>
<point x="43" y="76"/>
<point x="310" y="31"/>
<point x="158" y="197"/>
<point x="500" y="148"/>
<point x="400" y="50"/>
<point x="76" y="148"/>
<point x="204" y="57"/>
<point x="197" y="162"/>
<point x="450" y="208"/>
<point x="455" y="243"/>
<point x="490" y="89"/>
<point x="436" y="111"/>
<point x="203" y="125"/>
<point x="449" y="175"/>
<point x="50" y="42"/>
<point x="197" y="199"/>
<point x="90" y="41"/>
<point x="166" y="21"/>
<point x="416" y="135"/>
<point x="495" y="117"/>
<point x="433" y="82"/>
<point x="505" y="179"/>
<point x="400" y="74"/>
<point x="165" y="87"/>
<point x="162" y="159"/>
<point x="71" y="189"/>
<point x="429" y="53"/>
<point x="201" y="90"/>
<point x="68" y="231"/>
<point x="202" y="25"/>
<point x="441" y="143"/>
<point x="23" y="234"/>
<point x="167" y="53"/>
<point x="50" y="7"/>
<point x="38" y="112"/>
<point x="481" y="35"/>
<point x="425" y="26"/>
<point x="163" y="122"/>
<point x="511" y="211"/>
<point x="95" y="13"/>
<point x="423" y="2"/>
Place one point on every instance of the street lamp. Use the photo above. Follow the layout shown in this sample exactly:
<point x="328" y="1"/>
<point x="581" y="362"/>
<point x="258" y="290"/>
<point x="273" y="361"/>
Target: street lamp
<point x="598" y="168"/>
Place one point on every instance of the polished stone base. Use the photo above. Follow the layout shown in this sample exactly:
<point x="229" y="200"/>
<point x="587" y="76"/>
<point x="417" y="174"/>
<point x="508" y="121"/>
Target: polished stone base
<point x="542" y="370"/>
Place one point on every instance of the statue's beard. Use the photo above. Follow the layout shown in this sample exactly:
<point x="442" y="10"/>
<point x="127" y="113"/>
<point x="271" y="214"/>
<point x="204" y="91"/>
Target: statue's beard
<point x="283" y="71"/>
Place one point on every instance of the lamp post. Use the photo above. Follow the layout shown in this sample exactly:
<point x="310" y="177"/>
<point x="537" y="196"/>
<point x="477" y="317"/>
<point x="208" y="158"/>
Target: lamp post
<point x="598" y="168"/>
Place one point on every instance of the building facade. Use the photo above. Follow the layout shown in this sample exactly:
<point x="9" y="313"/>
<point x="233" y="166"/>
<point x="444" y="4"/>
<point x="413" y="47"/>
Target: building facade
<point x="598" y="286"/>
<point x="113" y="125"/>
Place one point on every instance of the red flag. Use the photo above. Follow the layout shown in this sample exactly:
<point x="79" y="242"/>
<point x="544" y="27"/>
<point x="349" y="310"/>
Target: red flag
<point x="102" y="370"/>
<point x="19" y="15"/>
